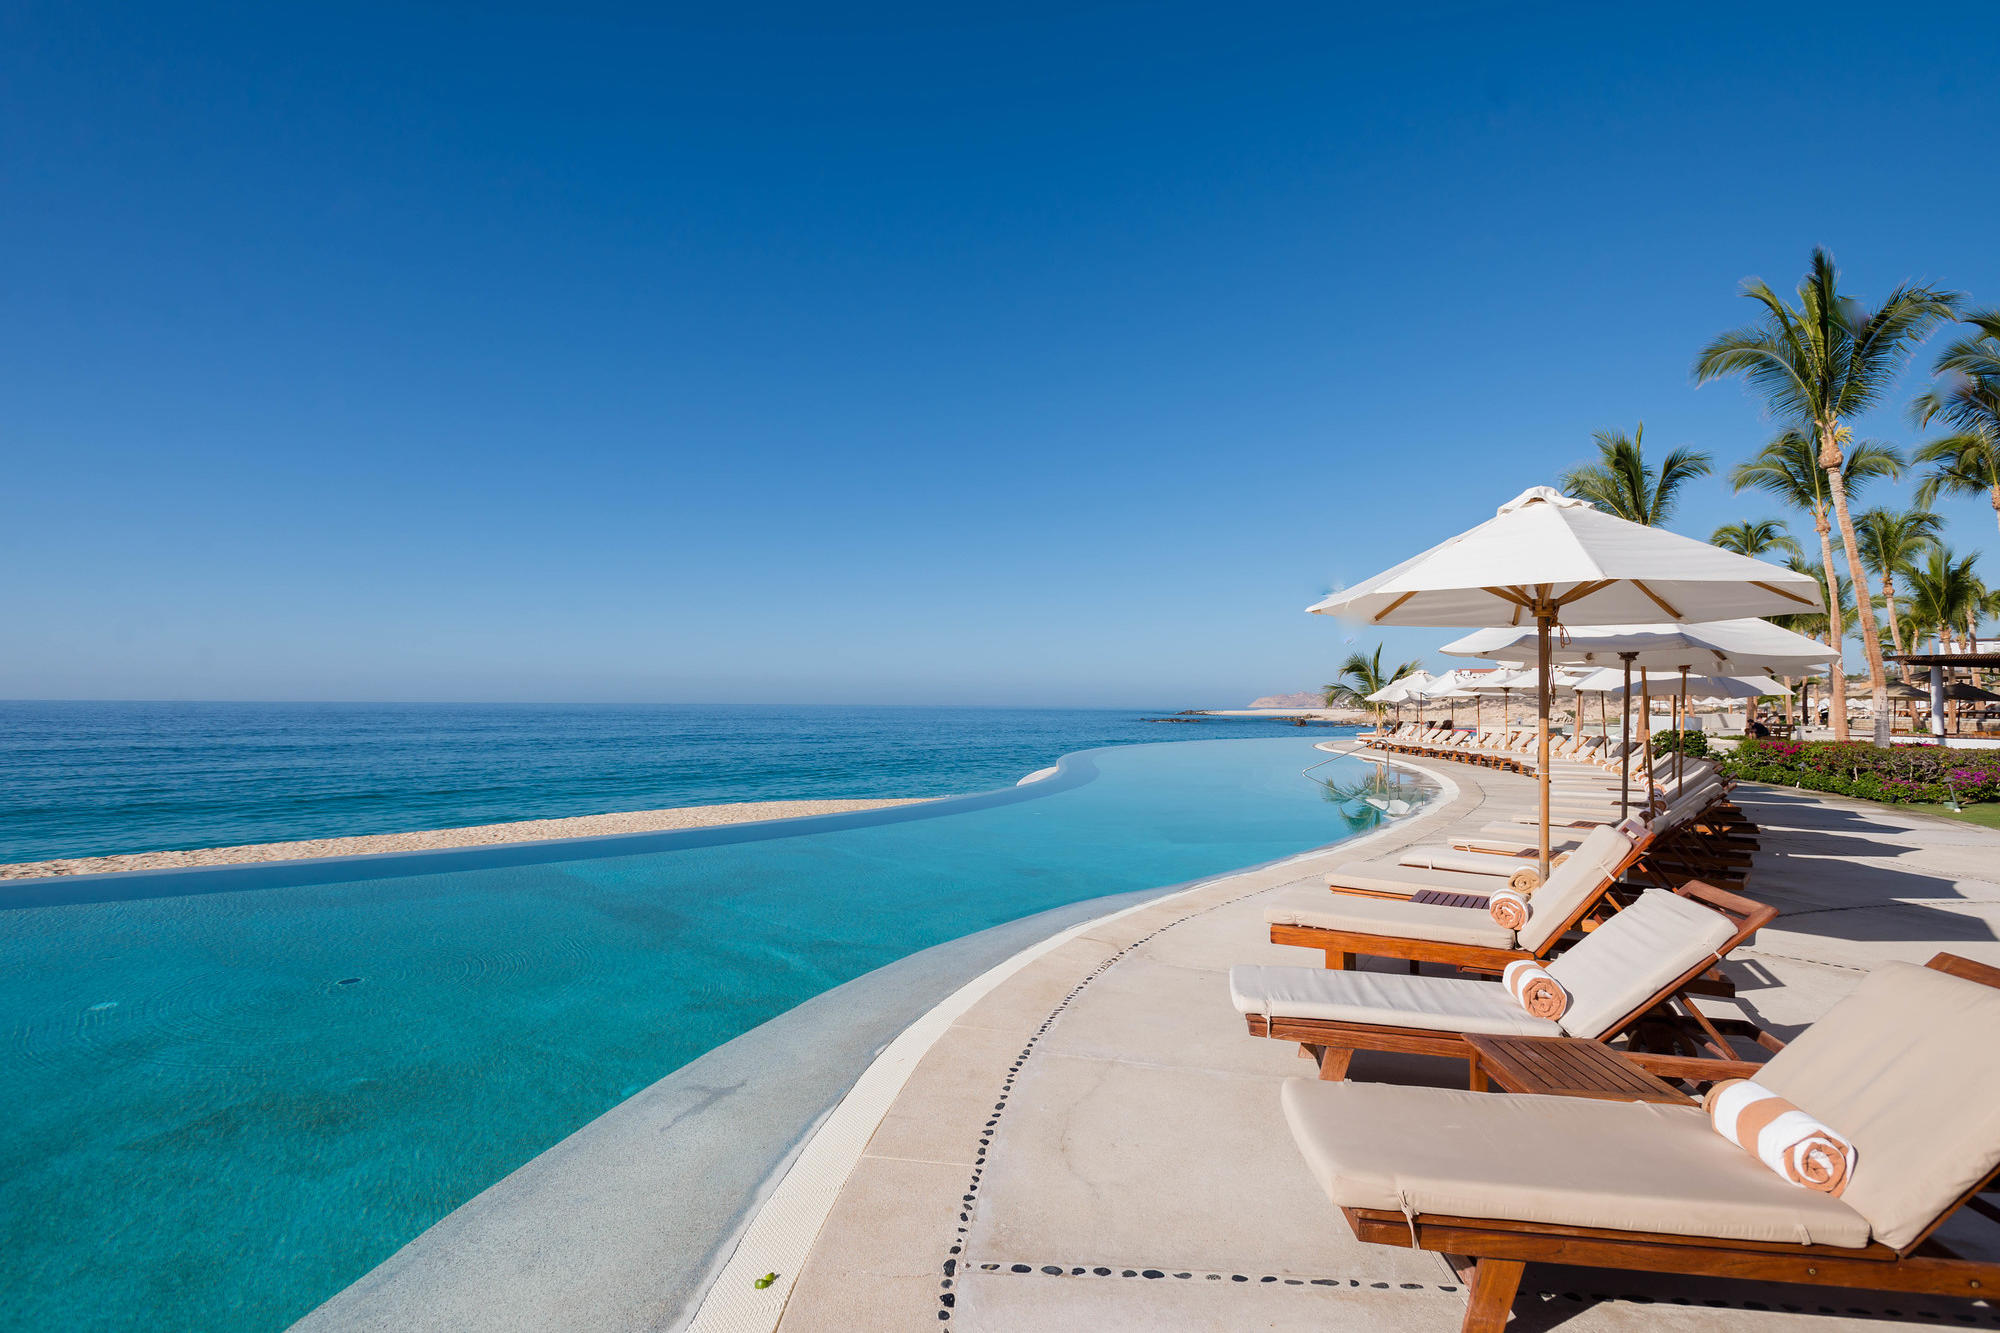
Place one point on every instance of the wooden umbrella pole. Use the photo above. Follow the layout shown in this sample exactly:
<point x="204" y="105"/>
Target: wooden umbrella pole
<point x="1625" y="739"/>
<point x="1646" y="727"/>
<point x="1543" y="618"/>
<point x="1681" y="735"/>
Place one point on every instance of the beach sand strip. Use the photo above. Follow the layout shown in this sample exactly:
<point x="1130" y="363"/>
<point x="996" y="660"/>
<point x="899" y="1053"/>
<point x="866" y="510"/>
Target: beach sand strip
<point x="478" y="835"/>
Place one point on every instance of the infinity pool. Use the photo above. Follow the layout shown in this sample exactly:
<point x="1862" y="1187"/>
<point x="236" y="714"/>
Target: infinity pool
<point x="234" y="1091"/>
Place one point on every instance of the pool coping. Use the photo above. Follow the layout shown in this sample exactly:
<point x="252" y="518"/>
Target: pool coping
<point x="801" y="1194"/>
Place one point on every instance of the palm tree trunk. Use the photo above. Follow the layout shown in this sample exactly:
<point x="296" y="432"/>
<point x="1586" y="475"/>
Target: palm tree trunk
<point x="1836" y="633"/>
<point x="1864" y="606"/>
<point x="1895" y="626"/>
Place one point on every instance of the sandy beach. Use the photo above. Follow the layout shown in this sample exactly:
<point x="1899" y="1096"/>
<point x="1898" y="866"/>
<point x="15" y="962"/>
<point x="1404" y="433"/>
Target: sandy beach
<point x="527" y="830"/>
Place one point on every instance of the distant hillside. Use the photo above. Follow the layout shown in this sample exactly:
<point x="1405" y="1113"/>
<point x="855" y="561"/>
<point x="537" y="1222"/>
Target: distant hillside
<point x="1303" y="699"/>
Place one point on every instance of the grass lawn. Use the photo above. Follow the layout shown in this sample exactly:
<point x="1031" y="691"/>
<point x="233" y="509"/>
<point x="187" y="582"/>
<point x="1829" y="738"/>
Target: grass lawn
<point x="1985" y="812"/>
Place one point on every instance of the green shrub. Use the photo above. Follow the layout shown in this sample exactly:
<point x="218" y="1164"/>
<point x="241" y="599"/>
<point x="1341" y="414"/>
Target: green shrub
<point x="1693" y="744"/>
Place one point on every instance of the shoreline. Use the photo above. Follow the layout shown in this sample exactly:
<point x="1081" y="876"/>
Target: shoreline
<point x="473" y="835"/>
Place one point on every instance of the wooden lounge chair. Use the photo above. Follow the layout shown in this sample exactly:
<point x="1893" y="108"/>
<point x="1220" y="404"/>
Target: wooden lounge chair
<point x="1901" y="1068"/>
<point x="1643" y="959"/>
<point x="1401" y="880"/>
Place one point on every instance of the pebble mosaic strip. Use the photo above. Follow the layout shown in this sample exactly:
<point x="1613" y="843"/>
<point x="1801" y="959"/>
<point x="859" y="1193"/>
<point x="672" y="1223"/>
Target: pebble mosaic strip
<point x="1982" y="1318"/>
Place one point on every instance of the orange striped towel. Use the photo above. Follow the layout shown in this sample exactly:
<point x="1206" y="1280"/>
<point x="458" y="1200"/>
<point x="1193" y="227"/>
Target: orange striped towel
<point x="1525" y="881"/>
<point x="1538" y="992"/>
<point x="1508" y="907"/>
<point x="1780" y="1135"/>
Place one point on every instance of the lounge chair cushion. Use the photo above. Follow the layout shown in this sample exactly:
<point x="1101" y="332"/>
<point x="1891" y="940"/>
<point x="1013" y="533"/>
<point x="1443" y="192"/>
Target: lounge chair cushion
<point x="1611" y="971"/>
<point x="1386" y="877"/>
<point x="1463" y="863"/>
<point x="1399" y="918"/>
<point x="1387" y="999"/>
<point x="1515" y="846"/>
<point x="1563" y="1161"/>
<point x="1586" y="872"/>
<point x="1904" y="1069"/>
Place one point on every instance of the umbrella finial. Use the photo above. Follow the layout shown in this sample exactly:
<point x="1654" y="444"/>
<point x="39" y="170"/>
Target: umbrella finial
<point x="1542" y="495"/>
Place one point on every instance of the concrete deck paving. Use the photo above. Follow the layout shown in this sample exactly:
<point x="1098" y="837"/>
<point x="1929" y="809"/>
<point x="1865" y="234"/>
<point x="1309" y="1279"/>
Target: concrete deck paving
<point x="1098" y="1144"/>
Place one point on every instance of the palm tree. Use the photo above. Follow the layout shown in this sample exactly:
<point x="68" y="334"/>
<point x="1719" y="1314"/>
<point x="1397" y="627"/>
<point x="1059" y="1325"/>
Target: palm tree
<point x="1944" y="592"/>
<point x="1818" y="364"/>
<point x="1620" y="481"/>
<point x="1361" y="675"/>
<point x="1890" y="545"/>
<point x="1967" y="399"/>
<point x="1755" y="539"/>
<point x="1788" y="469"/>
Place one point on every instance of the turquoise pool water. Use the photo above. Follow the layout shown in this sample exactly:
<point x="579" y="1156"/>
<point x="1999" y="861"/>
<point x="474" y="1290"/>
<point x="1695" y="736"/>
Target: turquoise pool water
<point x="235" y="1091"/>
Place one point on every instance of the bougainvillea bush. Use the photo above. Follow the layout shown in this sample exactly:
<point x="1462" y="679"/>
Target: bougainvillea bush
<point x="1923" y="773"/>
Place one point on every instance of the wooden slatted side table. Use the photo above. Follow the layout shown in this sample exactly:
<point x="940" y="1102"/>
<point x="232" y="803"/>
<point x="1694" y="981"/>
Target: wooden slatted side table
<point x="1565" y="1067"/>
<point x="1446" y="898"/>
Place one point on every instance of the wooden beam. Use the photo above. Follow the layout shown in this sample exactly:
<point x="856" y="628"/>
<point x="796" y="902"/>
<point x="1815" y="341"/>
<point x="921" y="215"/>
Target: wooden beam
<point x="1791" y="596"/>
<point x="1377" y="618"/>
<point x="1658" y="600"/>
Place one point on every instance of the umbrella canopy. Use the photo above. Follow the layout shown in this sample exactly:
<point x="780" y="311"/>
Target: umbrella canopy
<point x="1607" y="681"/>
<point x="1506" y="678"/>
<point x="1712" y="648"/>
<point x="1547" y="555"/>
<point x="1401" y="688"/>
<point x="1547" y="559"/>
<point x="1969" y="694"/>
<point x="1451" y="685"/>
<point x="1901" y="693"/>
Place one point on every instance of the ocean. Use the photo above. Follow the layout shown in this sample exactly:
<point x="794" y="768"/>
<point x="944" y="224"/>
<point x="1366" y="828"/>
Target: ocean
<point x="88" y="779"/>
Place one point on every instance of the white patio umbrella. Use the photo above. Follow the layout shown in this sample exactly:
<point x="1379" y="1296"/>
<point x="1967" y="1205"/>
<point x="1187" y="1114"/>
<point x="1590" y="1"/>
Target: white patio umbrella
<point x="1503" y="682"/>
<point x="1732" y="647"/>
<point x="1711" y="647"/>
<point x="1547" y="559"/>
<point x="1720" y="688"/>
<point x="1396" y="691"/>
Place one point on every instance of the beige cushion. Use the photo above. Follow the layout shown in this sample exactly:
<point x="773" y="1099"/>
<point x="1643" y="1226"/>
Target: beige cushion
<point x="1386" y="999"/>
<point x="1611" y="971"/>
<point x="1560" y="840"/>
<point x="1623" y="1166"/>
<point x="1585" y="873"/>
<point x="1400" y="918"/>
<point x="1907" y="1069"/>
<point x="1384" y="877"/>
<point x="1464" y="863"/>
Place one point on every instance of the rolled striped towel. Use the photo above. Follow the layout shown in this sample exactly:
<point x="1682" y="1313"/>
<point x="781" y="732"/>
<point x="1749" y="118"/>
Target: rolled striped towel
<point x="1780" y="1135"/>
<point x="1537" y="992"/>
<point x="1525" y="881"/>
<point x="1508" y="907"/>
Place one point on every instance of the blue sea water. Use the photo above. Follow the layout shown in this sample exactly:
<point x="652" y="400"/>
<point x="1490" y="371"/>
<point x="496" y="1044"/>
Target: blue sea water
<point x="85" y="779"/>
<point x="234" y="1091"/>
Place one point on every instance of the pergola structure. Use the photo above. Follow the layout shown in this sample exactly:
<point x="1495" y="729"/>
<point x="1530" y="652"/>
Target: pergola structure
<point x="1937" y="662"/>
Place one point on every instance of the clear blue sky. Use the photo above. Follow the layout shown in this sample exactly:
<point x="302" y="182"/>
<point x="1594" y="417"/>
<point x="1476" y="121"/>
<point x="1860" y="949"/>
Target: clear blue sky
<point x="433" y="352"/>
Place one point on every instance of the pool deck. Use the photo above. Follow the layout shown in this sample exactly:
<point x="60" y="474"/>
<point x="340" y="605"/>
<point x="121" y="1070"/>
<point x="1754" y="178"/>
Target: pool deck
<point x="1097" y="1143"/>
